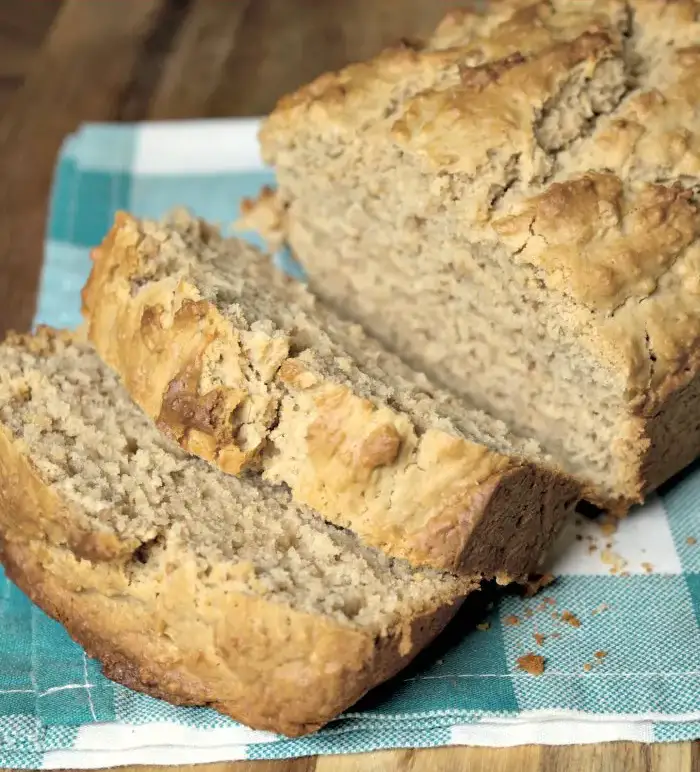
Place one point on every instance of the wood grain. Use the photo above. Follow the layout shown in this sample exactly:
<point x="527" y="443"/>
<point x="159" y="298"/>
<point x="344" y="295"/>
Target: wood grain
<point x="612" y="757"/>
<point x="62" y="63"/>
<point x="79" y="73"/>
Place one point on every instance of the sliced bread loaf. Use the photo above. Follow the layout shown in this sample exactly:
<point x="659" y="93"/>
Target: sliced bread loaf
<point x="513" y="207"/>
<point x="189" y="584"/>
<point x="239" y="365"/>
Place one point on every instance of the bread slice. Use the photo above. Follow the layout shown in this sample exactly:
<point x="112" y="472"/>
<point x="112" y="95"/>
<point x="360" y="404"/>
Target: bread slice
<point x="189" y="584"/>
<point x="513" y="207"/>
<point x="239" y="365"/>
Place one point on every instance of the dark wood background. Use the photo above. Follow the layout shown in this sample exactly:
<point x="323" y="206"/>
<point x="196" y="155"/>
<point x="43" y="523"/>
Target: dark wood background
<point x="62" y="63"/>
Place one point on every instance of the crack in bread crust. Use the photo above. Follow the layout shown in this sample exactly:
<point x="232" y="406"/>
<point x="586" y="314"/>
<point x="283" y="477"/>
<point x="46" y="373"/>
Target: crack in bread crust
<point x="363" y="465"/>
<point x="186" y="583"/>
<point x="453" y="227"/>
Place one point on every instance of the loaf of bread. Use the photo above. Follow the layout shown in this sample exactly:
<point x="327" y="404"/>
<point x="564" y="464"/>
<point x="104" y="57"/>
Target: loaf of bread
<point x="189" y="584"/>
<point x="239" y="365"/>
<point x="513" y="206"/>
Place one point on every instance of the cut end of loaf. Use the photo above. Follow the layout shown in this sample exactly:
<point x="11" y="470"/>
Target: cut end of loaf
<point x="232" y="596"/>
<point x="513" y="207"/>
<point x="75" y="424"/>
<point x="347" y="426"/>
<point x="207" y="383"/>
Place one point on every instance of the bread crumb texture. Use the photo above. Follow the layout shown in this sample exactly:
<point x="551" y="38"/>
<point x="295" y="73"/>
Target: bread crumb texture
<point x="513" y="205"/>
<point x="188" y="583"/>
<point x="245" y="368"/>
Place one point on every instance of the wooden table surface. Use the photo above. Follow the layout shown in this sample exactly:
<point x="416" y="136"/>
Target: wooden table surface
<point x="62" y="63"/>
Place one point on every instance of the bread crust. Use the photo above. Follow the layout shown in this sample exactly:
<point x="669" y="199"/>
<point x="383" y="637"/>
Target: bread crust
<point x="274" y="669"/>
<point x="609" y="222"/>
<point x="357" y="96"/>
<point x="164" y="628"/>
<point x="420" y="496"/>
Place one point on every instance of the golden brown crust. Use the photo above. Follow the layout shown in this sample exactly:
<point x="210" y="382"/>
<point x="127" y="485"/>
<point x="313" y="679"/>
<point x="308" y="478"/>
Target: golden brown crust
<point x="163" y="627"/>
<point x="611" y="245"/>
<point x="618" y="216"/>
<point x="364" y="93"/>
<point x="458" y="129"/>
<point x="599" y="241"/>
<point x="431" y="498"/>
<point x="606" y="221"/>
<point x="421" y="496"/>
<point x="264" y="665"/>
<point x="157" y="340"/>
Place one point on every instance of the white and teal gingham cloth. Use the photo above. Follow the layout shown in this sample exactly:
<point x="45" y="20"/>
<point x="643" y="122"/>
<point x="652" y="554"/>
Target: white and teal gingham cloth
<point x="622" y="664"/>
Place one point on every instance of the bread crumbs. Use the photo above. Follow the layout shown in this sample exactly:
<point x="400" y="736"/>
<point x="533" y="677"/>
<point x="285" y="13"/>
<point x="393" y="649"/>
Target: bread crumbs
<point x="511" y="620"/>
<point x="537" y="583"/>
<point x="647" y="567"/>
<point x="609" y="527"/>
<point x="599" y="609"/>
<point x="601" y="654"/>
<point x="540" y="638"/>
<point x="531" y="663"/>
<point x="483" y="626"/>
<point x="570" y="619"/>
<point x="588" y="667"/>
<point x="614" y="560"/>
<point x="691" y="540"/>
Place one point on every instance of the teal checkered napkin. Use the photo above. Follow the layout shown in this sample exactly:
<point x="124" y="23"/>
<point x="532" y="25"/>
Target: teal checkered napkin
<point x="619" y="629"/>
